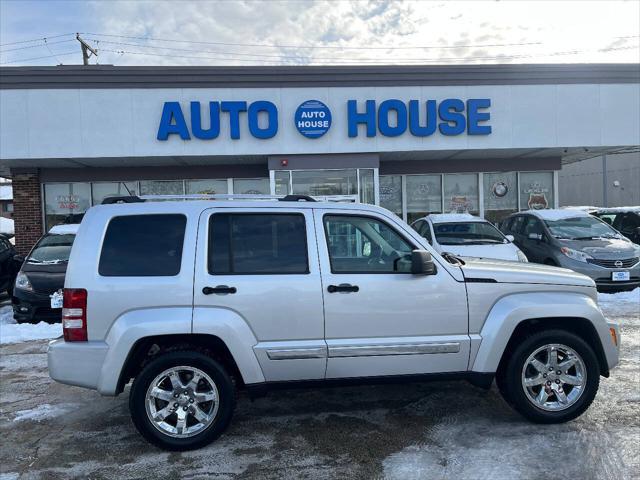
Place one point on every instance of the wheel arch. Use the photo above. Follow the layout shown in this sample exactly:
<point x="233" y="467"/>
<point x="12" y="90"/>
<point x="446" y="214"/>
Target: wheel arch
<point x="521" y="314"/>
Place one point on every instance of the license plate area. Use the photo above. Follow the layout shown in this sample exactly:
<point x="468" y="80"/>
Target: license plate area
<point x="56" y="299"/>
<point x="620" y="276"/>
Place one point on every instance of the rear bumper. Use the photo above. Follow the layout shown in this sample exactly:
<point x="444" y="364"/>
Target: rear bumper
<point x="76" y="363"/>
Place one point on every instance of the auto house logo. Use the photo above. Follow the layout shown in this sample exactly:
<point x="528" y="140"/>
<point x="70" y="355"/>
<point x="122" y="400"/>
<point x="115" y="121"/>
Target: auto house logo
<point x="313" y="119"/>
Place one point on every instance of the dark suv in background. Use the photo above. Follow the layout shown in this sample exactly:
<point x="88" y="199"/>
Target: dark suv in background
<point x="41" y="275"/>
<point x="624" y="219"/>
<point x="581" y="242"/>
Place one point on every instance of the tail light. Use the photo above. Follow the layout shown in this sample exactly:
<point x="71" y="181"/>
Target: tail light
<point x="74" y="315"/>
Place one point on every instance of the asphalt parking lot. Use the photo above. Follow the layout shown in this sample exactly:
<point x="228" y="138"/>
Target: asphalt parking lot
<point x="440" y="430"/>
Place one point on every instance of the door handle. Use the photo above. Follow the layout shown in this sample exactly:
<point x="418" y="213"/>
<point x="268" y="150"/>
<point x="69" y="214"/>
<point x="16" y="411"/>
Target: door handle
<point x="219" y="289"/>
<point x="343" y="287"/>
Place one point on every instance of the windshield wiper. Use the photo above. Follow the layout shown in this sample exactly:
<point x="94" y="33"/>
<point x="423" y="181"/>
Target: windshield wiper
<point x="451" y="258"/>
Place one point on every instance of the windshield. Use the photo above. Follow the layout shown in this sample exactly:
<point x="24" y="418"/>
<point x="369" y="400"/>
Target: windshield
<point x="468" y="233"/>
<point x="52" y="249"/>
<point x="580" y="228"/>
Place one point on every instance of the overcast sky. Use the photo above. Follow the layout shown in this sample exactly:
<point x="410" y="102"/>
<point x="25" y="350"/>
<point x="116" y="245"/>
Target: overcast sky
<point x="319" y="32"/>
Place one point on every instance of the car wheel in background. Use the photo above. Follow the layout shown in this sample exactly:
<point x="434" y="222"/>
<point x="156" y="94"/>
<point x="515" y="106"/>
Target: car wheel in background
<point x="182" y="400"/>
<point x="551" y="377"/>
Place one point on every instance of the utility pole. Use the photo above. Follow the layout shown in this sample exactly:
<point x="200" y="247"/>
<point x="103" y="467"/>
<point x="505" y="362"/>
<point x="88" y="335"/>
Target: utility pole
<point x="87" y="50"/>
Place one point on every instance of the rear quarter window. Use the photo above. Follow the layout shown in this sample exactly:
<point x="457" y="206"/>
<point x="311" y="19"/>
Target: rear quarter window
<point x="143" y="246"/>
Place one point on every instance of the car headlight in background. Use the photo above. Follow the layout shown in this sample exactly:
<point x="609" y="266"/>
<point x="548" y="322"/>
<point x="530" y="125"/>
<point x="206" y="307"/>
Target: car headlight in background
<point x="23" y="283"/>
<point x="521" y="256"/>
<point x="575" y="254"/>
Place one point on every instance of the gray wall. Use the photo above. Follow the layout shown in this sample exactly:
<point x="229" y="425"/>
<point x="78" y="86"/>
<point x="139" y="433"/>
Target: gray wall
<point x="583" y="183"/>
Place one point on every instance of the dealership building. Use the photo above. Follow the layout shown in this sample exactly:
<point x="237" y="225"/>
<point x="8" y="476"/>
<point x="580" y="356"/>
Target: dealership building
<point x="487" y="139"/>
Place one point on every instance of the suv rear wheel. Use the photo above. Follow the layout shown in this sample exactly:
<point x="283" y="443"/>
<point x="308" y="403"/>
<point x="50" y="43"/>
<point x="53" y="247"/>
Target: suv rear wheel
<point x="182" y="400"/>
<point x="551" y="377"/>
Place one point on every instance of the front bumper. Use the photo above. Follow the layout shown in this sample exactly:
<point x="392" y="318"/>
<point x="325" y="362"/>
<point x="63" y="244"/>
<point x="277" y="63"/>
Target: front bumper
<point x="602" y="275"/>
<point x="76" y="363"/>
<point x="33" y="307"/>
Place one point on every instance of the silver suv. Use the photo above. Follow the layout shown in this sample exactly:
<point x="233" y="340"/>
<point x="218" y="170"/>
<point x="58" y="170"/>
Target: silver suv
<point x="193" y="300"/>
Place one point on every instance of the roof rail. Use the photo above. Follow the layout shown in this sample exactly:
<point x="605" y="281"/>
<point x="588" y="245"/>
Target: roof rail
<point x="237" y="196"/>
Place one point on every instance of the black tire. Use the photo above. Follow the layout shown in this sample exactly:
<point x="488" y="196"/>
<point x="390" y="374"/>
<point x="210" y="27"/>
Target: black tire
<point x="514" y="393"/>
<point x="137" y="400"/>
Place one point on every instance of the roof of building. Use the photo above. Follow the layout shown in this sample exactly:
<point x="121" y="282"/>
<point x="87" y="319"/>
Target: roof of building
<point x="557" y="214"/>
<point x="109" y="76"/>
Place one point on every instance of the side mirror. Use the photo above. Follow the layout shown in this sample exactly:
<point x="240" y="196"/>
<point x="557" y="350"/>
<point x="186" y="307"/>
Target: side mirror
<point x="18" y="259"/>
<point x="511" y="238"/>
<point x="422" y="263"/>
<point x="535" y="236"/>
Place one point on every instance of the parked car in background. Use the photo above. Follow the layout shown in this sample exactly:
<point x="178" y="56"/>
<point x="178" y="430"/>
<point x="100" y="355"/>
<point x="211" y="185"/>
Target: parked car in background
<point x="42" y="274"/>
<point x="9" y="266"/>
<point x="624" y="219"/>
<point x="579" y="241"/>
<point x="468" y="236"/>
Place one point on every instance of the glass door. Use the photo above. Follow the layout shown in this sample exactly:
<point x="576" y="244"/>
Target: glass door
<point x="349" y="184"/>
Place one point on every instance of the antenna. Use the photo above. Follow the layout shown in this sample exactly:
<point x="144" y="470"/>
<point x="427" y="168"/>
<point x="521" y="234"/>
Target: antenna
<point x="87" y="50"/>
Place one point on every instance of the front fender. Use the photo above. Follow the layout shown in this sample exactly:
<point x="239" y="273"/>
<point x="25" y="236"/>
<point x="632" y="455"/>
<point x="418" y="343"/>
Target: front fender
<point x="509" y="311"/>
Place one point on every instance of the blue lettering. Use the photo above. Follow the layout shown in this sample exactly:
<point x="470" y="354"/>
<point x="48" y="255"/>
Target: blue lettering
<point x="414" y="118"/>
<point x="368" y="117"/>
<point x="214" y="121"/>
<point x="474" y="116"/>
<point x="171" y="111"/>
<point x="234" y="109"/>
<point x="454" y="122"/>
<point x="401" y="118"/>
<point x="272" y="119"/>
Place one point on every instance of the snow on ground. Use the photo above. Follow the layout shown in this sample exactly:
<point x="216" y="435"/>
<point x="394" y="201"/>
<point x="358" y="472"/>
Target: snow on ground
<point x="623" y="303"/>
<point x="43" y="412"/>
<point x="11" y="332"/>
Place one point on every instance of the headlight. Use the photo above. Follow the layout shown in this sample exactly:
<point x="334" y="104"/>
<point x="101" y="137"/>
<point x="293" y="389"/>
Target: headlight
<point x="575" y="254"/>
<point x="23" y="283"/>
<point x="521" y="256"/>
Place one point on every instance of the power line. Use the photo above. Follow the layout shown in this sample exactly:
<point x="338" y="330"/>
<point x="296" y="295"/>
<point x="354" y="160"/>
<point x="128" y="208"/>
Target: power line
<point x="311" y="46"/>
<point x="39" y="45"/>
<point x="374" y="62"/>
<point x="38" y="58"/>
<point x="36" y="39"/>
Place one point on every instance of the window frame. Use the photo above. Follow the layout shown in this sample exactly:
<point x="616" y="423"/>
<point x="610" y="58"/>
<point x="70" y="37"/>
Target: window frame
<point x="209" y="244"/>
<point x="184" y="236"/>
<point x="373" y="217"/>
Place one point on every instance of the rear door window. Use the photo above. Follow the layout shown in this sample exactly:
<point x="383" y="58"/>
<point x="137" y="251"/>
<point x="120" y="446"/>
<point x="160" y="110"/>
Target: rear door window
<point x="259" y="244"/>
<point x="143" y="246"/>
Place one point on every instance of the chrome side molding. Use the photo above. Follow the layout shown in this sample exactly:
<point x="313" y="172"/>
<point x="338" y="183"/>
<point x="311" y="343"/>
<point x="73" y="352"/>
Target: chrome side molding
<point x="405" y="349"/>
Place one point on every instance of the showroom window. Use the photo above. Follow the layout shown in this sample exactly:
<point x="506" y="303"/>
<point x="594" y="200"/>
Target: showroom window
<point x="536" y="190"/>
<point x="461" y="193"/>
<point x="251" y="186"/>
<point x="325" y="182"/>
<point x="283" y="182"/>
<point x="66" y="202"/>
<point x="102" y="190"/>
<point x="424" y="196"/>
<point x="162" y="187"/>
<point x="367" y="187"/>
<point x="391" y="193"/>
<point x="500" y="195"/>
<point x="207" y="187"/>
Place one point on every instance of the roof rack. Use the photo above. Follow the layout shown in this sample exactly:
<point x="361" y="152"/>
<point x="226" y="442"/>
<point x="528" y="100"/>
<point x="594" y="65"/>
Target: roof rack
<point x="238" y="196"/>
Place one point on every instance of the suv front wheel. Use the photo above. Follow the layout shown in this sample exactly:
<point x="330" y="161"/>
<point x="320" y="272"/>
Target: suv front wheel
<point x="182" y="400"/>
<point x="551" y="377"/>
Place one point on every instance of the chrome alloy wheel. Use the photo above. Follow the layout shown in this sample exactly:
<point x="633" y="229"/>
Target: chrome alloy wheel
<point x="554" y="377"/>
<point x="182" y="401"/>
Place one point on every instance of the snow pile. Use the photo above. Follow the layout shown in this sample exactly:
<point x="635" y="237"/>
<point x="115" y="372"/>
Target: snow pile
<point x="11" y="332"/>
<point x="43" y="412"/>
<point x="623" y="303"/>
